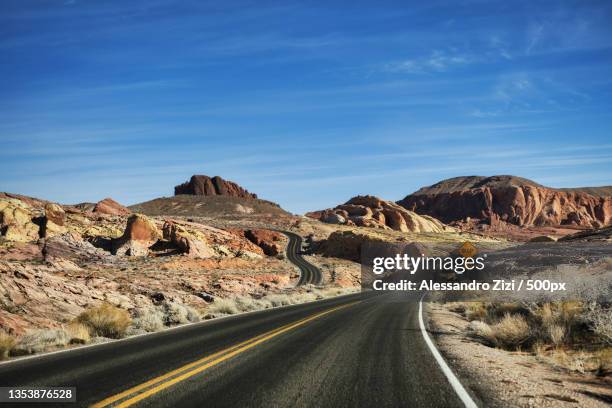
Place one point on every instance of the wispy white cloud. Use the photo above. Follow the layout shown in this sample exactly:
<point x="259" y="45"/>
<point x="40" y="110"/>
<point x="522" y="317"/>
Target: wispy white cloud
<point x="437" y="61"/>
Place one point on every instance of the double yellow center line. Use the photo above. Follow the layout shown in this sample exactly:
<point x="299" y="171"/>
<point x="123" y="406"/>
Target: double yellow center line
<point x="138" y="393"/>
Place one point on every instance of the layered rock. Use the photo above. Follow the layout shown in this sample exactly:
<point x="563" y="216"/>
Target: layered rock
<point x="500" y="200"/>
<point x="140" y="234"/>
<point x="16" y="221"/>
<point x="110" y="207"/>
<point x="190" y="243"/>
<point x="373" y="212"/>
<point x="212" y="186"/>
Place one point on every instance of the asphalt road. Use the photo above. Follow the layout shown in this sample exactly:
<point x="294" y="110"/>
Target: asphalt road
<point x="351" y="351"/>
<point x="309" y="274"/>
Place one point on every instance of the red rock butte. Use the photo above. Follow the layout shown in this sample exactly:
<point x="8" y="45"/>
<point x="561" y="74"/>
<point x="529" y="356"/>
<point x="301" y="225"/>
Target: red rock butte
<point x="512" y="200"/>
<point x="212" y="186"/>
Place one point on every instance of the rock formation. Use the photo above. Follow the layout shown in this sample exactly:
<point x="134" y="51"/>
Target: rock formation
<point x="16" y="221"/>
<point x="110" y="207"/>
<point x="207" y="186"/>
<point x="500" y="200"/>
<point x="190" y="243"/>
<point x="140" y="234"/>
<point x="52" y="223"/>
<point x="268" y="241"/>
<point x="373" y="212"/>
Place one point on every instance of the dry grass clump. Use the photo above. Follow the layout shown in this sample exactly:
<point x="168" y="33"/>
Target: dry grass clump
<point x="78" y="333"/>
<point x="176" y="313"/>
<point x="241" y="304"/>
<point x="36" y="341"/>
<point x="222" y="307"/>
<point x="569" y="333"/>
<point x="106" y="321"/>
<point x="148" y="319"/>
<point x="511" y="332"/>
<point x="7" y="342"/>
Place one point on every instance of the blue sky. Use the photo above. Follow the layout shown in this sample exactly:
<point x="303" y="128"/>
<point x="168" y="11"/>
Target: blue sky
<point x="304" y="103"/>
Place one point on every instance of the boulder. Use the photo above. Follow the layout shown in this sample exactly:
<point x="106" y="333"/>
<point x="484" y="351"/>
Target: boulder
<point x="110" y="207"/>
<point x="190" y="243"/>
<point x="373" y="212"/>
<point x="268" y="241"/>
<point x="332" y="218"/>
<point x="53" y="221"/>
<point x="16" y="221"/>
<point x="140" y="234"/>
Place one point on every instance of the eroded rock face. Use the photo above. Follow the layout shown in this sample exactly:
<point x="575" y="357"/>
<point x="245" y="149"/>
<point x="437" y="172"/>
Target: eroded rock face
<point x="268" y="241"/>
<point x="16" y="221"/>
<point x="373" y="212"/>
<point x="53" y="221"/>
<point x="110" y="207"/>
<point x="189" y="243"/>
<point x="140" y="234"/>
<point x="211" y="186"/>
<point x="500" y="200"/>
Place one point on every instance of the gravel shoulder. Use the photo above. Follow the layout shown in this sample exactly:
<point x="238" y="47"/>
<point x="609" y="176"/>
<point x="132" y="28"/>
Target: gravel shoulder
<point x="511" y="379"/>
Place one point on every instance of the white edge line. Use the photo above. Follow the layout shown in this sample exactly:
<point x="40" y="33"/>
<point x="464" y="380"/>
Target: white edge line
<point x="167" y="329"/>
<point x="450" y="376"/>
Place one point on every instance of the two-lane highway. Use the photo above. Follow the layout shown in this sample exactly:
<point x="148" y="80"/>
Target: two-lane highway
<point x="352" y="351"/>
<point x="361" y="350"/>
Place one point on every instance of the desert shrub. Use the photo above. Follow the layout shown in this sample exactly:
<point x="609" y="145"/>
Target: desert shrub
<point x="247" y="304"/>
<point x="148" y="319"/>
<point x="599" y="320"/>
<point x="36" y="341"/>
<point x="556" y="334"/>
<point x="78" y="333"/>
<point x="475" y="311"/>
<point x="223" y="307"/>
<point x="7" y="342"/>
<point x="279" y="300"/>
<point x="482" y="332"/>
<point x="106" y="321"/>
<point x="511" y="332"/>
<point x="176" y="313"/>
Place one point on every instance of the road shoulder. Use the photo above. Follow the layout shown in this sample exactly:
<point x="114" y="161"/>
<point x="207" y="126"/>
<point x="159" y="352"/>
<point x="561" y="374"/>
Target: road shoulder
<point x="509" y="379"/>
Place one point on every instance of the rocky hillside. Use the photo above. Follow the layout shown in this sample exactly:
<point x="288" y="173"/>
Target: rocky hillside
<point x="58" y="260"/>
<point x="500" y="200"/>
<point x="210" y="206"/>
<point x="212" y="186"/>
<point x="373" y="212"/>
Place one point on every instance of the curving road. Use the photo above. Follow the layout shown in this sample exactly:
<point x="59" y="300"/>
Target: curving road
<point x="353" y="351"/>
<point x="309" y="274"/>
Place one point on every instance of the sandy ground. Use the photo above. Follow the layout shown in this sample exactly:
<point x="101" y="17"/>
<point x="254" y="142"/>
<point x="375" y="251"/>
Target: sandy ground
<point x="511" y="379"/>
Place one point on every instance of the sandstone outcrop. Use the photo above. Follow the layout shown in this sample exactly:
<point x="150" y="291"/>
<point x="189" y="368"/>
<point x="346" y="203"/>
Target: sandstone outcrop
<point x="110" y="207"/>
<point x="140" y="234"/>
<point x="500" y="200"/>
<point x="268" y="241"/>
<point x="189" y="242"/>
<point x="212" y="186"/>
<point x="16" y="221"/>
<point x="373" y="212"/>
<point x="52" y="223"/>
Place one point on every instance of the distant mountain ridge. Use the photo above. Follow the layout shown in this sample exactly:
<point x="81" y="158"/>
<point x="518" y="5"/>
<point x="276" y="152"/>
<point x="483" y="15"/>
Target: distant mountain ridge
<point x="505" y="199"/>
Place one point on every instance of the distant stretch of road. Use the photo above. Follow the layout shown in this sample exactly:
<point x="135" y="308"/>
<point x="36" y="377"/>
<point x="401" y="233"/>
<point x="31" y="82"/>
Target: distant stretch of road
<point x="309" y="274"/>
<point x="351" y="351"/>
